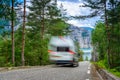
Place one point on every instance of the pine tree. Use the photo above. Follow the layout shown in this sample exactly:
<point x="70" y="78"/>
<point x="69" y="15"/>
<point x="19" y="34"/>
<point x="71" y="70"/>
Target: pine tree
<point x="44" y="19"/>
<point x="23" y="34"/>
<point x="12" y="33"/>
<point x="8" y="14"/>
<point x="110" y="10"/>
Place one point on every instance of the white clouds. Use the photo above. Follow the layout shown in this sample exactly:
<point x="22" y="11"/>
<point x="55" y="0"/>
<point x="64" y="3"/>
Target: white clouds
<point x="74" y="9"/>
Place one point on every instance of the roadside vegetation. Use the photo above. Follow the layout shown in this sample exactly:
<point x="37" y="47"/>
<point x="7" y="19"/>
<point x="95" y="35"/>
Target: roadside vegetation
<point x="28" y="44"/>
<point x="102" y="65"/>
<point x="44" y="20"/>
<point x="103" y="59"/>
<point x="80" y="52"/>
<point x="106" y="35"/>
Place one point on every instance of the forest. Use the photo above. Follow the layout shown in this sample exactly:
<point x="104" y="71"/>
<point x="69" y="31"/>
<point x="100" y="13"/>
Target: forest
<point x="28" y="44"/>
<point x="106" y="35"/>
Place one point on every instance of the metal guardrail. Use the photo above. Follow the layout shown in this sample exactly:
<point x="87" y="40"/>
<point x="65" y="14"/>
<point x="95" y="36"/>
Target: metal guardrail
<point x="106" y="75"/>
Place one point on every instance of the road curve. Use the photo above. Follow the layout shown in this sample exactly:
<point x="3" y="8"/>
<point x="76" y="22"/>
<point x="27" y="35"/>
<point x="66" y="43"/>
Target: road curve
<point x="50" y="73"/>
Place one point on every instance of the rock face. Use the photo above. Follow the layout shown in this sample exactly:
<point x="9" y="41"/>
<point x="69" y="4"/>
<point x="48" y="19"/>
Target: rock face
<point x="83" y="36"/>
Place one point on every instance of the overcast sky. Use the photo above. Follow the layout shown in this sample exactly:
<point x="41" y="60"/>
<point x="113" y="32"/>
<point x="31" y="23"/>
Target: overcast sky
<point x="74" y="9"/>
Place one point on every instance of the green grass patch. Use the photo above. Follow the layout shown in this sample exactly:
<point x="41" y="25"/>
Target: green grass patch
<point x="115" y="72"/>
<point x="102" y="64"/>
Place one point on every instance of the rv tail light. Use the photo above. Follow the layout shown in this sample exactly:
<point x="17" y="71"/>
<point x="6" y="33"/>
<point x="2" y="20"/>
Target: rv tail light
<point x="50" y="51"/>
<point x="71" y="61"/>
<point x="71" y="52"/>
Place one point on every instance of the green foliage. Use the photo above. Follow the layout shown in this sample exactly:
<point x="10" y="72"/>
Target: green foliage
<point x="5" y="50"/>
<point x="79" y="52"/>
<point x="5" y="9"/>
<point x="2" y="61"/>
<point x="115" y="72"/>
<point x="52" y="20"/>
<point x="58" y="28"/>
<point x="113" y="12"/>
<point x="81" y="55"/>
<point x="114" y="45"/>
<point x="110" y="43"/>
<point x="86" y="59"/>
<point x="36" y="53"/>
<point x="9" y="64"/>
<point x="99" y="39"/>
<point x="102" y="64"/>
<point x="37" y="57"/>
<point x="5" y="53"/>
<point x="41" y="25"/>
<point x="35" y="48"/>
<point x="100" y="42"/>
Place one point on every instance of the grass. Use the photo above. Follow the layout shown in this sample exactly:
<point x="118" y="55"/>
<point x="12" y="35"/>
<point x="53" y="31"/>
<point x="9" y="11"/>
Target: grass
<point x="101" y="64"/>
<point x="115" y="72"/>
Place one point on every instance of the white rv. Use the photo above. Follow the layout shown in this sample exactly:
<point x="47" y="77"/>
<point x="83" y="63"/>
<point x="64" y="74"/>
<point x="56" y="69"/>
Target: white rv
<point x="62" y="51"/>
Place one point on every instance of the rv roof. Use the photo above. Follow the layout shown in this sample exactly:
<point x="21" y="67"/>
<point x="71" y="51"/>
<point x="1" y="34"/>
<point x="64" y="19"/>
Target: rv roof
<point x="61" y="41"/>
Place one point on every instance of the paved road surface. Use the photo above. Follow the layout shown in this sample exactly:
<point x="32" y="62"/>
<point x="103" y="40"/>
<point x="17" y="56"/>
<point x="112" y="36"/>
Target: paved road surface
<point x="50" y="73"/>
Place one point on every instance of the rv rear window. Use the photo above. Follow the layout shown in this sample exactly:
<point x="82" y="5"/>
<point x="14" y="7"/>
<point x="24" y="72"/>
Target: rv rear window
<point x="63" y="49"/>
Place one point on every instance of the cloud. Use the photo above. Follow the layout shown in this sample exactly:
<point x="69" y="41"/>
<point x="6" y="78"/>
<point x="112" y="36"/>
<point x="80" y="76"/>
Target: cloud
<point x="74" y="9"/>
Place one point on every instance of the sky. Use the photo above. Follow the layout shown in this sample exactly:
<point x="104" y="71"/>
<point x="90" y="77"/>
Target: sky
<point x="74" y="9"/>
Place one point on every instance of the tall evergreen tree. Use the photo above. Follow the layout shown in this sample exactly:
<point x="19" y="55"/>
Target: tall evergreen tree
<point x="23" y="34"/>
<point x="99" y="8"/>
<point x="8" y="14"/>
<point x="38" y="14"/>
<point x="12" y="33"/>
<point x="44" y="19"/>
<point x="110" y="10"/>
<point x="113" y="22"/>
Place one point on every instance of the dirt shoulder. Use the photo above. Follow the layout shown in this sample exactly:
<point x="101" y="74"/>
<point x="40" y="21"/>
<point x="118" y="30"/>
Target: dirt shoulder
<point x="94" y="73"/>
<point x="4" y="69"/>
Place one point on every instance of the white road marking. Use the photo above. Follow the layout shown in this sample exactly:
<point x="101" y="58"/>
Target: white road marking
<point x="88" y="68"/>
<point x="87" y="79"/>
<point x="88" y="71"/>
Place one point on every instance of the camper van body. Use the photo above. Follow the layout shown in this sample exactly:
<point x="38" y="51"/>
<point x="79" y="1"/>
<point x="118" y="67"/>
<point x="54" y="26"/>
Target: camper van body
<point x="62" y="51"/>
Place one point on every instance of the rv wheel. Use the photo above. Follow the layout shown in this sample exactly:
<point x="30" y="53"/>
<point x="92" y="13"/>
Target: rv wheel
<point x="77" y="64"/>
<point x="72" y="65"/>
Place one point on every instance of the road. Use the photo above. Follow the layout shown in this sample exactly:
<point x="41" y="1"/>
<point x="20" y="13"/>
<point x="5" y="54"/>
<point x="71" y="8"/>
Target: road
<point x="50" y="72"/>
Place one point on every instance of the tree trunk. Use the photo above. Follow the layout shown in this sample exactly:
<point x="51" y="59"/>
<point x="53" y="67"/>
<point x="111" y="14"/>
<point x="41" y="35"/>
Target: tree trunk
<point x="12" y="34"/>
<point x="23" y="34"/>
<point x="43" y="24"/>
<point x="107" y="32"/>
